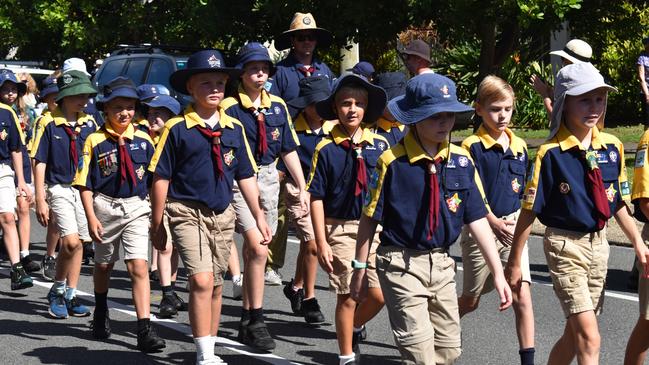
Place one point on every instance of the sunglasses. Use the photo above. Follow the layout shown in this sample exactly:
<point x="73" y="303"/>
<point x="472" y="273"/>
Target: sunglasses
<point x="305" y="37"/>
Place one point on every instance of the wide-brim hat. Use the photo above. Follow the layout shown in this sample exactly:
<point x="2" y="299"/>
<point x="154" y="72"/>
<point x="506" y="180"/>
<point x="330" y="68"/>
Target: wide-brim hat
<point x="394" y="83"/>
<point x="252" y="52"/>
<point x="426" y="95"/>
<point x="576" y="51"/>
<point x="205" y="61"/>
<point x="418" y="48"/>
<point x="376" y="99"/>
<point x="73" y="83"/>
<point x="312" y="90"/>
<point x="119" y="87"/>
<point x="303" y="22"/>
<point x="7" y="75"/>
<point x="575" y="79"/>
<point x="164" y="101"/>
<point x="149" y="91"/>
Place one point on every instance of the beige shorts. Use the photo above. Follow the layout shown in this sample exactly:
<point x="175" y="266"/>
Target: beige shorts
<point x="303" y="224"/>
<point x="476" y="278"/>
<point x="65" y="204"/>
<point x="7" y="190"/>
<point x="577" y="263"/>
<point x="341" y="236"/>
<point x="643" y="284"/>
<point x="268" y="184"/>
<point x="125" y="223"/>
<point x="419" y="292"/>
<point x="201" y="237"/>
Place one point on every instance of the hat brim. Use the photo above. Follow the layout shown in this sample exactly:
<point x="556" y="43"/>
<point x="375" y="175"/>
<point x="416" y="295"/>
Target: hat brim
<point x="563" y="54"/>
<point x="409" y="114"/>
<point x="178" y="79"/>
<point x="302" y="102"/>
<point x="76" y="90"/>
<point x="21" y="86"/>
<point x="161" y="103"/>
<point x="119" y="93"/>
<point x="557" y="108"/>
<point x="323" y="36"/>
<point x="376" y="99"/>
<point x="48" y="91"/>
<point x="271" y="71"/>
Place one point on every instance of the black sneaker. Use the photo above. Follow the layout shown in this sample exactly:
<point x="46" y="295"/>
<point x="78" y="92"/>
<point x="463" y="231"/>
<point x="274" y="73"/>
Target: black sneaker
<point x="153" y="276"/>
<point x="357" y="338"/>
<point x="19" y="278"/>
<point x="256" y="335"/>
<point x="311" y="310"/>
<point x="49" y="267"/>
<point x="243" y="327"/>
<point x="100" y="326"/>
<point x="30" y="265"/>
<point x="167" y="307"/>
<point x="149" y="341"/>
<point x="295" y="297"/>
<point x="180" y="303"/>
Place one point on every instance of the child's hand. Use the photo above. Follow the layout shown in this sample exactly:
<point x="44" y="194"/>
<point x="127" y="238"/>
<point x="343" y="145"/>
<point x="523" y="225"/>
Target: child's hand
<point x="265" y="230"/>
<point x="358" y="286"/>
<point x="539" y="86"/>
<point x="643" y="257"/>
<point x="504" y="230"/>
<point x="159" y="236"/>
<point x="24" y="191"/>
<point x="95" y="228"/>
<point x="513" y="276"/>
<point x="504" y="291"/>
<point x="42" y="212"/>
<point x="325" y="257"/>
<point x="305" y="202"/>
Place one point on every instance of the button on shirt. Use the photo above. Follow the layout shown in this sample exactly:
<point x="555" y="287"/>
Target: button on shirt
<point x="11" y="139"/>
<point x="333" y="172"/>
<point x="393" y="131"/>
<point x="100" y="170"/>
<point x="640" y="177"/>
<point x="52" y="146"/>
<point x="184" y="156"/>
<point x="399" y="195"/>
<point x="556" y="189"/>
<point x="502" y="173"/>
<point x="280" y="136"/>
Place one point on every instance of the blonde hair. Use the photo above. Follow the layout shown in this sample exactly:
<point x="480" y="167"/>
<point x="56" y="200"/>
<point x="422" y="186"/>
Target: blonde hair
<point x="493" y="88"/>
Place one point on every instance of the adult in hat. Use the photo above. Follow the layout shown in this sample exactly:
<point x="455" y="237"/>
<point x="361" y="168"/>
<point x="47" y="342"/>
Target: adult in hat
<point x="302" y="37"/>
<point x="363" y="68"/>
<point x="643" y="76"/>
<point x="416" y="57"/>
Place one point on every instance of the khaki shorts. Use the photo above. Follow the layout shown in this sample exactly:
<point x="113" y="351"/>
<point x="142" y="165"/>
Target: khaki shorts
<point x="643" y="284"/>
<point x="341" y="236"/>
<point x="577" y="263"/>
<point x="268" y="184"/>
<point x="65" y="204"/>
<point x="303" y="224"/>
<point x="201" y="237"/>
<point x="125" y="223"/>
<point x="7" y="190"/>
<point x="419" y="292"/>
<point x="477" y="279"/>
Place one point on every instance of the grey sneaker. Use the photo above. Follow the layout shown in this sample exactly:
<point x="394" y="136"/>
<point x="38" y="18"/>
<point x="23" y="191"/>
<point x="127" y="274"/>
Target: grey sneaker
<point x="49" y="267"/>
<point x="273" y="277"/>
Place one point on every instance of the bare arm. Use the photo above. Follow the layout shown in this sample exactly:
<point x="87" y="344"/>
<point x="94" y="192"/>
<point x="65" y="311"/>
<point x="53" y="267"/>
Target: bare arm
<point x="94" y="226"/>
<point x="521" y="234"/>
<point x="366" y="232"/>
<point x="292" y="162"/>
<point x="503" y="229"/>
<point x="643" y="83"/>
<point x="42" y="209"/>
<point x="627" y="224"/>
<point x="325" y="255"/>
<point x="158" y="195"/>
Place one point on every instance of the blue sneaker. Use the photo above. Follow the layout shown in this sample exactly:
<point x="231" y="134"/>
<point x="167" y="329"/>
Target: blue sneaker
<point x="58" y="308"/>
<point x="76" y="309"/>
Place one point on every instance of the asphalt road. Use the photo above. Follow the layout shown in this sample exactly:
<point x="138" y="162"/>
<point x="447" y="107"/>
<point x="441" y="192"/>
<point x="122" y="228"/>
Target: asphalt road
<point x="29" y="336"/>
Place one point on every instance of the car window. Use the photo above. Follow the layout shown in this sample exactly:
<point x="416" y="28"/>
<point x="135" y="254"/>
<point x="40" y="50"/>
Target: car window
<point x="136" y="69"/>
<point x="159" y="72"/>
<point x="111" y="69"/>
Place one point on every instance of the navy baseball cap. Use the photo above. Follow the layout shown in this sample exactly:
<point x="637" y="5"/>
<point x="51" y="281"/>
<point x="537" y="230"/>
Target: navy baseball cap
<point x="10" y="76"/>
<point x="164" y="101"/>
<point x="312" y="90"/>
<point x="119" y="87"/>
<point x="49" y="87"/>
<point x="205" y="61"/>
<point x="426" y="95"/>
<point x="394" y="83"/>
<point x="254" y="51"/>
<point x="376" y="98"/>
<point x="364" y="69"/>
<point x="148" y="91"/>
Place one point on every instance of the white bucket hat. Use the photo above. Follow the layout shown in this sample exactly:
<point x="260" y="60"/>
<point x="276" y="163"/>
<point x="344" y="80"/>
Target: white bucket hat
<point x="576" y="51"/>
<point x="575" y="79"/>
<point x="75" y="64"/>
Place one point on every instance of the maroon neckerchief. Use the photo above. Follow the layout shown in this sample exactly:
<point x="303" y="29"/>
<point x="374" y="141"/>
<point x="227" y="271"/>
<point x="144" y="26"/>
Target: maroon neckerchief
<point x="361" y="170"/>
<point x="215" y="138"/>
<point x="433" y="201"/>
<point x="126" y="169"/>
<point x="72" y="133"/>
<point x="262" y="143"/>
<point x="306" y="71"/>
<point x="597" y="191"/>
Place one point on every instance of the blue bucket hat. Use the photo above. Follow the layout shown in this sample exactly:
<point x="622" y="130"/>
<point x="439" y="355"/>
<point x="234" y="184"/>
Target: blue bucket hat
<point x="312" y="90"/>
<point x="394" y="83"/>
<point x="164" y="101"/>
<point x="8" y="75"/>
<point x="205" y="61"/>
<point x="149" y="91"/>
<point x="426" y="95"/>
<point x="49" y="87"/>
<point x="363" y="68"/>
<point x="254" y="51"/>
<point x="119" y="87"/>
<point x="376" y="99"/>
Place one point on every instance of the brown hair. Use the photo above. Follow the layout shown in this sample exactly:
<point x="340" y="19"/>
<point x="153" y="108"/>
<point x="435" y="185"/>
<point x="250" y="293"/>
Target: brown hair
<point x="493" y="88"/>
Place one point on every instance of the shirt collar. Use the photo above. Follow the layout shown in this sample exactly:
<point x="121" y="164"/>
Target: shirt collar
<point x="300" y="124"/>
<point x="340" y="135"/>
<point x="386" y="125"/>
<point x="192" y="119"/>
<point x="488" y="142"/>
<point x="567" y="140"/>
<point x="59" y="118"/>
<point x="315" y="62"/>
<point x="246" y="103"/>
<point x="129" y="133"/>
<point x="416" y="153"/>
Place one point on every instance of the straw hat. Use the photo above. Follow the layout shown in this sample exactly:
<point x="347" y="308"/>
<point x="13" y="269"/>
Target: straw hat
<point x="300" y="23"/>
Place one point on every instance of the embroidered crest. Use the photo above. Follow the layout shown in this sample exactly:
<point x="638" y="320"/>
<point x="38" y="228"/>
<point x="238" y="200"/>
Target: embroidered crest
<point x="624" y="186"/>
<point x="143" y="145"/>
<point x="228" y="157"/>
<point x="564" y="188"/>
<point x="140" y="172"/>
<point x="67" y="78"/>
<point x="463" y="161"/>
<point x="275" y="134"/>
<point x="610" y="193"/>
<point x="591" y="160"/>
<point x="444" y="91"/>
<point x="450" y="164"/>
<point x="3" y="134"/>
<point x="530" y="195"/>
<point x="601" y="158"/>
<point x="453" y="203"/>
<point x="613" y="156"/>
<point x="277" y="110"/>
<point x="213" y="61"/>
<point x="381" y="146"/>
<point x="516" y="186"/>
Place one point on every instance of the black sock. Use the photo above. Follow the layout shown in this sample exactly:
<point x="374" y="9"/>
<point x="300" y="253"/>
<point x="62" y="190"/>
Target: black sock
<point x="168" y="290"/>
<point x="173" y="285"/>
<point x="143" y="324"/>
<point x="527" y="356"/>
<point x="101" y="303"/>
<point x="245" y="315"/>
<point x="256" y="315"/>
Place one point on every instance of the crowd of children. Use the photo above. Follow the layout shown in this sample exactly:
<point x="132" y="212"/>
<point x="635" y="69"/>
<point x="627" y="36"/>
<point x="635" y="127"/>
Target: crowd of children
<point x="347" y="158"/>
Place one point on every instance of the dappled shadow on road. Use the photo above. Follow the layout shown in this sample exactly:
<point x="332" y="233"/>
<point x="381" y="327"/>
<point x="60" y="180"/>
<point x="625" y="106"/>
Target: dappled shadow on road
<point x="617" y="279"/>
<point x="81" y="355"/>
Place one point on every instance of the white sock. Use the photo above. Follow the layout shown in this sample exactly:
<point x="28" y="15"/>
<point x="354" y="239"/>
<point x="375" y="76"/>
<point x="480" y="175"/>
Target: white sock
<point x="24" y="253"/>
<point x="344" y="359"/>
<point x="58" y="287"/>
<point x="235" y="278"/>
<point x="204" y="348"/>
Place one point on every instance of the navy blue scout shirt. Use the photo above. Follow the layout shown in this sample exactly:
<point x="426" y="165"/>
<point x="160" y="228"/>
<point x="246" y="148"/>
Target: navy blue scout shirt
<point x="399" y="195"/>
<point x="285" y="81"/>
<point x="556" y="190"/>
<point x="10" y="134"/>
<point x="100" y="170"/>
<point x="333" y="173"/>
<point x="280" y="136"/>
<point x="392" y="131"/>
<point x="308" y="141"/>
<point x="52" y="146"/>
<point x="502" y="173"/>
<point x="184" y="156"/>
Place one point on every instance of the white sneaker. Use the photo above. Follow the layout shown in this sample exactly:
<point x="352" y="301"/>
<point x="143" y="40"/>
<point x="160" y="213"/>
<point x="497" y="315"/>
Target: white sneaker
<point x="237" y="287"/>
<point x="273" y="277"/>
<point x="212" y="361"/>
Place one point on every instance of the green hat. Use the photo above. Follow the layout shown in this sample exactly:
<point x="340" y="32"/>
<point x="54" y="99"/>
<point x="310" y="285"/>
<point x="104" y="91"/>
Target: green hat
<point x="74" y="83"/>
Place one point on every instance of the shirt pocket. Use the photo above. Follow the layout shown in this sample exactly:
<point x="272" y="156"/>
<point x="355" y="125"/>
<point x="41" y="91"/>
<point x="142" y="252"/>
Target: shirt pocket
<point x="275" y="124"/>
<point x="610" y="171"/>
<point x="230" y="145"/>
